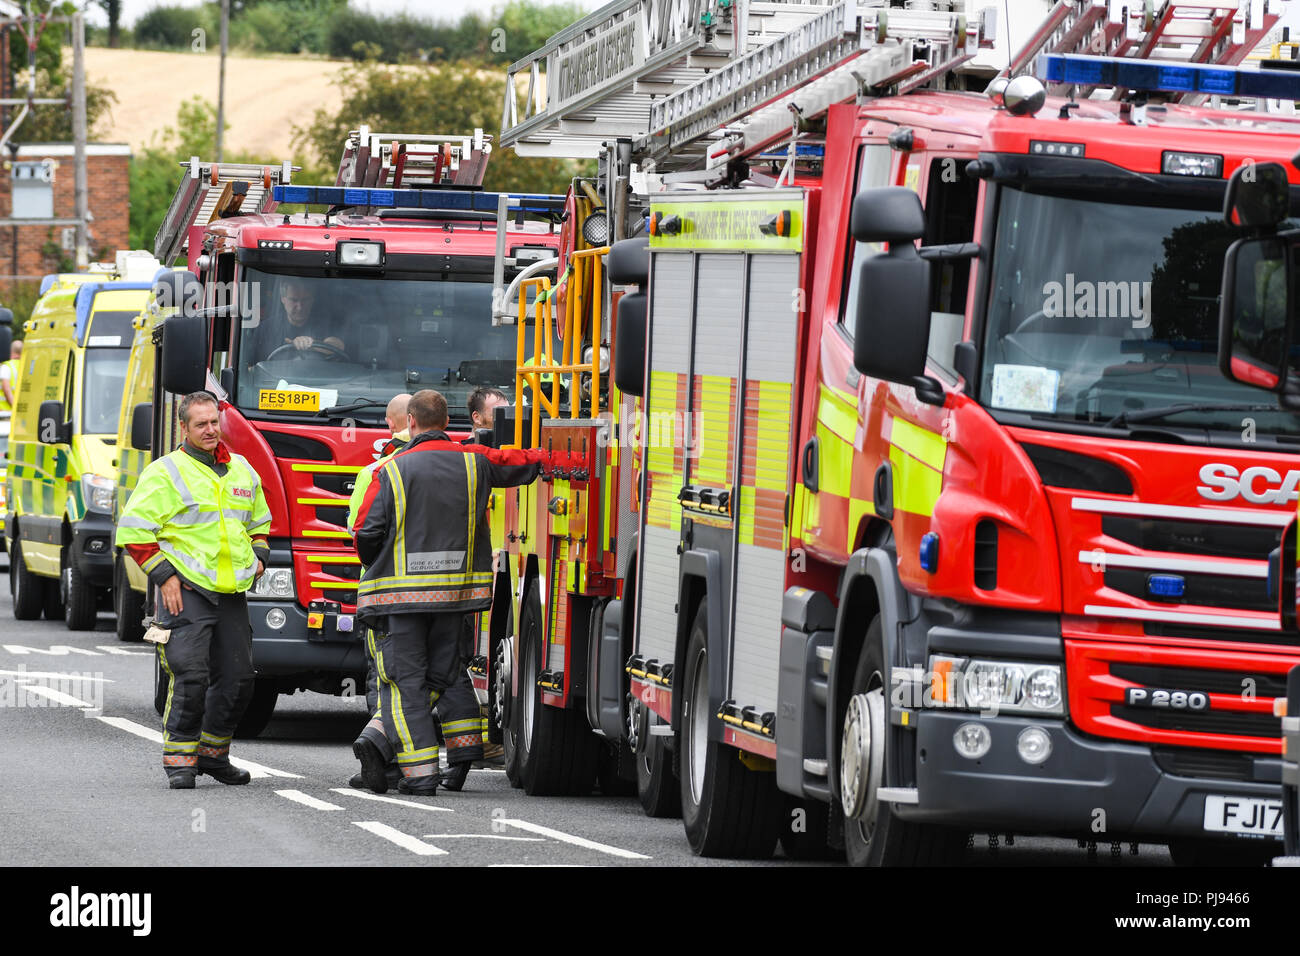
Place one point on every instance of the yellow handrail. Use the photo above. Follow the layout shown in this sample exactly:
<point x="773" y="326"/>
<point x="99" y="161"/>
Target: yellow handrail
<point x="579" y="290"/>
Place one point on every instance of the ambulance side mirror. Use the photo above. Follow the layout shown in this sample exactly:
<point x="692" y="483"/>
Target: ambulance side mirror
<point x="51" y="429"/>
<point x="1255" y="329"/>
<point x="185" y="353"/>
<point x="142" y="426"/>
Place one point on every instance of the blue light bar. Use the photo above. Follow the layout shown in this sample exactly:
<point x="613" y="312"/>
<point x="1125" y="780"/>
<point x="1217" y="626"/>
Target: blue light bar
<point x="1166" y="585"/>
<point x="447" y="199"/>
<point x="1153" y="77"/>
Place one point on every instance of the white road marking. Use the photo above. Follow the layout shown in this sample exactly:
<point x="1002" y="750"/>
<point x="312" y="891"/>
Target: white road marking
<point x="54" y="650"/>
<point x="349" y="792"/>
<point x="546" y="866"/>
<point x="297" y="796"/>
<point x="122" y="651"/>
<point x="148" y="733"/>
<point x="58" y="696"/>
<point x="404" y="840"/>
<point x="575" y="840"/>
<point x="482" y="836"/>
<point x="41" y="675"/>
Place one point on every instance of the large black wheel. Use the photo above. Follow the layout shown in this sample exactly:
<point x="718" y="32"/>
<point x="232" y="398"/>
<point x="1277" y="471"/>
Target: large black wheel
<point x="1195" y="851"/>
<point x="128" y="605"/>
<point x="557" y="750"/>
<point x="260" y="708"/>
<point x="728" y="809"/>
<point x="507" y="712"/>
<point x="27" y="590"/>
<point x="80" y="601"/>
<point x="52" y="602"/>
<point x="657" y="786"/>
<point x="873" y="835"/>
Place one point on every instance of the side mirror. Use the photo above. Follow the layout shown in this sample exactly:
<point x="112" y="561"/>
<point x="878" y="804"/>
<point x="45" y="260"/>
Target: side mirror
<point x="887" y="214"/>
<point x="628" y="262"/>
<point x="51" y="429"/>
<point x="185" y="353"/>
<point x="6" y="332"/>
<point x="1254" y="327"/>
<point x="178" y="289"/>
<point x="629" y="344"/>
<point x="142" y="426"/>
<point x="1257" y="196"/>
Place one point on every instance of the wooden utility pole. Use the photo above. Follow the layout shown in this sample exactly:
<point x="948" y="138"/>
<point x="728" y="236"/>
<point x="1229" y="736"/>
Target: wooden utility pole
<point x="81" y="195"/>
<point x="221" y="80"/>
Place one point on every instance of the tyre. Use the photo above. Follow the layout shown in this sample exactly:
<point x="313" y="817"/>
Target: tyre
<point x="805" y="831"/>
<point x="873" y="835"/>
<point x="260" y="708"/>
<point x="614" y="773"/>
<point x="128" y="605"/>
<point x="52" y="598"/>
<point x="80" y="602"/>
<point x="27" y="589"/>
<point x="557" y="750"/>
<point x="657" y="786"/>
<point x="1195" y="851"/>
<point x="728" y="809"/>
<point x="507" y="712"/>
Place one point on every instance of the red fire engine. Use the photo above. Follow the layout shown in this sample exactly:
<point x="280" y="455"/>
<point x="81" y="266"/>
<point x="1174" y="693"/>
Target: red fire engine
<point x="392" y="286"/>
<point x="921" y="541"/>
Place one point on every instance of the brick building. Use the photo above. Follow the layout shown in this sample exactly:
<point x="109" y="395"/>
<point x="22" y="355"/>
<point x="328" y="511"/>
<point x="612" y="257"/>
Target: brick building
<point x="30" y="251"/>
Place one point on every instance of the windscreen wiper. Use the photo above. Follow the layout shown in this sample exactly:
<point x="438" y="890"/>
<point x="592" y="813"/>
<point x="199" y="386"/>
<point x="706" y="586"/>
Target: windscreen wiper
<point x="354" y="406"/>
<point x="1161" y="411"/>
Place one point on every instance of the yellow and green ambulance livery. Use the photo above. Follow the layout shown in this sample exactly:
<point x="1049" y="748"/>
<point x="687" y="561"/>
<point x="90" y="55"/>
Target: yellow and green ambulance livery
<point x="63" y="445"/>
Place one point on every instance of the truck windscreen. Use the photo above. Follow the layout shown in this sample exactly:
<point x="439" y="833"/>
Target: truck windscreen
<point x="353" y="340"/>
<point x="101" y="392"/>
<point x="1100" y="308"/>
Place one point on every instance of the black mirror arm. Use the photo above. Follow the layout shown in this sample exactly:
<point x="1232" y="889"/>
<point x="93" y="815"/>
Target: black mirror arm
<point x="929" y="390"/>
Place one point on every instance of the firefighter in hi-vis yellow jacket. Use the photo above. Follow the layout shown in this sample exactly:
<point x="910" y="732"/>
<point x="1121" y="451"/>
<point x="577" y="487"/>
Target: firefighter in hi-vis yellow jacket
<point x="422" y="534"/>
<point x="197" y="523"/>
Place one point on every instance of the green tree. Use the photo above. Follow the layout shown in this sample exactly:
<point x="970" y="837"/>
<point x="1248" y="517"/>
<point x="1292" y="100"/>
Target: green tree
<point x="53" y="124"/>
<point x="113" y="8"/>
<point x="172" y="28"/>
<point x="448" y="98"/>
<point x="528" y="26"/>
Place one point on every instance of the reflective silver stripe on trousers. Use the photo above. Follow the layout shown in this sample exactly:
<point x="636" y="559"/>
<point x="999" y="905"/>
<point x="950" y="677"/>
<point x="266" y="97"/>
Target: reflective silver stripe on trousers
<point x="207" y="574"/>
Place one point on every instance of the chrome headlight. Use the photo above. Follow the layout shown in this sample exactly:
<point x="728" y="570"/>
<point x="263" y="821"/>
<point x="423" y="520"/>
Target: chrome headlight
<point x="274" y="584"/>
<point x="98" y="493"/>
<point x="984" y="685"/>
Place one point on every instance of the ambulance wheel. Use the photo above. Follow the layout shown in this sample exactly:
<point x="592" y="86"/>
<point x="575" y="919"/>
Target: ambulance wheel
<point x="1194" y="851"/>
<point x="260" y="708"/>
<point x="873" y="835"/>
<point x="80" y="602"/>
<point x="657" y="786"/>
<point x="728" y="809"/>
<point x="27" y="590"/>
<point x="160" y="682"/>
<point x="52" y="601"/>
<point x="558" y="751"/>
<point x="128" y="605"/>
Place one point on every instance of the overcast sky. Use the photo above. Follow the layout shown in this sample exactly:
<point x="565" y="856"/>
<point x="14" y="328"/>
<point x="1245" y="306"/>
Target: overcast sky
<point x="447" y="10"/>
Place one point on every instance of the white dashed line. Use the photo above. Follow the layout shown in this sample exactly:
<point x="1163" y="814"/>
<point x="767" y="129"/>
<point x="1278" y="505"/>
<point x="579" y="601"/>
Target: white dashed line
<point x="482" y="836"/>
<point x="575" y="840"/>
<point x="51" y="675"/>
<point x="404" y="840"/>
<point x="58" y="696"/>
<point x="297" y="796"/>
<point x="148" y="733"/>
<point x="349" y="792"/>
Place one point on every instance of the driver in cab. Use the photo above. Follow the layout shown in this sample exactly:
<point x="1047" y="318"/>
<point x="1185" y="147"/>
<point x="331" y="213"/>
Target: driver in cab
<point x="293" y="326"/>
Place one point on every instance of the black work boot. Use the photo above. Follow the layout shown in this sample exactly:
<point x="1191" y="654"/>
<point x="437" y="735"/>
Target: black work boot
<point x="372" y="765"/>
<point x="225" y="772"/>
<point x="453" y="778"/>
<point x="418" y="786"/>
<point x="182" y="779"/>
<point x="393" y="775"/>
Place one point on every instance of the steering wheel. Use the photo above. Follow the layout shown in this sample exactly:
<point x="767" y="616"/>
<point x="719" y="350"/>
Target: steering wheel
<point x="331" y="352"/>
<point x="1026" y="324"/>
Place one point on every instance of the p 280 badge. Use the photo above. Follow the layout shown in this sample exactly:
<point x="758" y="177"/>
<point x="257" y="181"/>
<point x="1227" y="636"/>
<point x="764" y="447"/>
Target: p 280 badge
<point x="1161" y="699"/>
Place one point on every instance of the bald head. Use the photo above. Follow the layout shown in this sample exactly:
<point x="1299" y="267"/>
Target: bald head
<point x="396" y="412"/>
<point x="16" y="349"/>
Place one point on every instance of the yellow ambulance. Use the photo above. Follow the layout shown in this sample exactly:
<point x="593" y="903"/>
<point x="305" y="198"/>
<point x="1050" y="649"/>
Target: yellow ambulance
<point x="135" y="433"/>
<point x="62" y="444"/>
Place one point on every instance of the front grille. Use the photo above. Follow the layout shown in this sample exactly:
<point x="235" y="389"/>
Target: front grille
<point x="1214" y="764"/>
<point x="334" y="516"/>
<point x="1234" y="634"/>
<point x="1193" y="537"/>
<point x="1204" y="590"/>
<point x="286" y="445"/>
<point x="1196" y="678"/>
<point x="338" y="483"/>
<point x="1206" y="722"/>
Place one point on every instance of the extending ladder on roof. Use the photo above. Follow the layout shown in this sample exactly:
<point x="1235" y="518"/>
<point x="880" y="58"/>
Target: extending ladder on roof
<point x="675" y="78"/>
<point x="209" y="191"/>
<point x="405" y="160"/>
